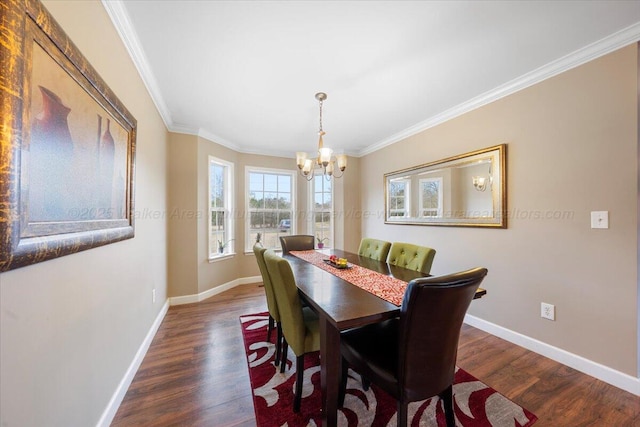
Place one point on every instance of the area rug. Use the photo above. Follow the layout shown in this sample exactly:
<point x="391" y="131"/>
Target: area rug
<point x="476" y="404"/>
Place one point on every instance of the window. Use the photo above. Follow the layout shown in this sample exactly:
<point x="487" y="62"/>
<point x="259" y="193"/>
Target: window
<point x="220" y="206"/>
<point x="321" y="209"/>
<point x="431" y="197"/>
<point x="271" y="202"/>
<point x="399" y="198"/>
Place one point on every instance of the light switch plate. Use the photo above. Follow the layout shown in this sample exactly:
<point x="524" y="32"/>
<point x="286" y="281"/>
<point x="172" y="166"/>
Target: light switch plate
<point x="600" y="219"/>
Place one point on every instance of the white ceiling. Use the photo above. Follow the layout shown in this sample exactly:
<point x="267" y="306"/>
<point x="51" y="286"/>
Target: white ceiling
<point x="244" y="73"/>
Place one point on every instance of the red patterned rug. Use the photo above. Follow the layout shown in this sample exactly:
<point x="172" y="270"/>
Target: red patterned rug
<point x="476" y="404"/>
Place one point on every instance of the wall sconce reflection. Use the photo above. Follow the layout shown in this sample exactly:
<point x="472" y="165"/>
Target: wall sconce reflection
<point x="480" y="183"/>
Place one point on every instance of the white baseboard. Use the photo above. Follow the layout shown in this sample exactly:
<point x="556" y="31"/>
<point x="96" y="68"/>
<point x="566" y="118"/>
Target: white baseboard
<point x="121" y="390"/>
<point x="112" y="408"/>
<point x="113" y="405"/>
<point x="601" y="372"/>
<point x="189" y="299"/>
<point x="611" y="376"/>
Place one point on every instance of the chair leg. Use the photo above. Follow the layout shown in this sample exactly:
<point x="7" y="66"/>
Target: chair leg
<point x="365" y="382"/>
<point x="343" y="383"/>
<point x="283" y="359"/>
<point x="279" y="340"/>
<point x="447" y="402"/>
<point x="403" y="408"/>
<point x="270" y="328"/>
<point x="299" y="378"/>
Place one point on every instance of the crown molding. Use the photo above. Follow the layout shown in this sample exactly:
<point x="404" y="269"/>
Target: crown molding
<point x="203" y="133"/>
<point x="240" y="149"/>
<point x="271" y="153"/>
<point x="581" y="56"/>
<point x="124" y="27"/>
<point x="120" y="19"/>
<point x="184" y="129"/>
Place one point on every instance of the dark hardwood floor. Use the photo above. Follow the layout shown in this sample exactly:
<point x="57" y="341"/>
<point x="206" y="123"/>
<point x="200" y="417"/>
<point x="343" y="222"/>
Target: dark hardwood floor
<point x="195" y="374"/>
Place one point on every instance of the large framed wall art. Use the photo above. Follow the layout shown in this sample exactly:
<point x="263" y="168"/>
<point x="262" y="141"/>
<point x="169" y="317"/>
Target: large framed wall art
<point x="67" y="145"/>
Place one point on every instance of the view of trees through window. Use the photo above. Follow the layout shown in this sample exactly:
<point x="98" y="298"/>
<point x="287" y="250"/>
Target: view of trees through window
<point x="430" y="197"/>
<point x="398" y="198"/>
<point x="220" y="230"/>
<point x="271" y="203"/>
<point x="322" y="210"/>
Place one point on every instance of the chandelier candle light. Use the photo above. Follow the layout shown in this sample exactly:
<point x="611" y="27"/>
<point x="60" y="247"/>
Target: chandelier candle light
<point x="324" y="161"/>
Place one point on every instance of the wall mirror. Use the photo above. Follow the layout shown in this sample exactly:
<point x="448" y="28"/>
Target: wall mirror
<point x="468" y="190"/>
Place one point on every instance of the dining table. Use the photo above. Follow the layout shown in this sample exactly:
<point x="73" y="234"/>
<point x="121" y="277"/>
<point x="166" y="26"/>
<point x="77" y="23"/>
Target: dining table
<point x="342" y="305"/>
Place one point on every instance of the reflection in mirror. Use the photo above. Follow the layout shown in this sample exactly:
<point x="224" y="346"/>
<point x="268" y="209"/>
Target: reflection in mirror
<point x="466" y="190"/>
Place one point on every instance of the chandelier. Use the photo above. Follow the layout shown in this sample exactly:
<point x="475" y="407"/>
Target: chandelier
<point x="324" y="162"/>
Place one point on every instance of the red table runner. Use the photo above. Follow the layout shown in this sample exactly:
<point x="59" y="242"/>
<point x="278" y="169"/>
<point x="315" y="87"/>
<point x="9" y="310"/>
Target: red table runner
<point x="386" y="287"/>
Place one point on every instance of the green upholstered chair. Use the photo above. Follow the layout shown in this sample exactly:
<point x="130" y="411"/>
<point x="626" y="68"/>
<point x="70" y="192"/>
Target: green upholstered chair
<point x="272" y="306"/>
<point x="297" y="242"/>
<point x="299" y="324"/>
<point x="374" y="249"/>
<point x="413" y="257"/>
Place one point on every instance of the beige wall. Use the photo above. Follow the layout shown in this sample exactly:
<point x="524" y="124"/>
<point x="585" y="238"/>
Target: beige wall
<point x="70" y="327"/>
<point x="347" y="208"/>
<point x="571" y="148"/>
<point x="190" y="272"/>
<point x="183" y="223"/>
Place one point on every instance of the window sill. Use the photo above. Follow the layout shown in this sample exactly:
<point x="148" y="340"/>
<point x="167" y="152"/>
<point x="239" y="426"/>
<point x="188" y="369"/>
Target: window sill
<point x="278" y="251"/>
<point x="222" y="257"/>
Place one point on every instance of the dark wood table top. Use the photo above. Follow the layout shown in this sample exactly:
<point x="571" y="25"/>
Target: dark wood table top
<point x="346" y="305"/>
<point x="341" y="305"/>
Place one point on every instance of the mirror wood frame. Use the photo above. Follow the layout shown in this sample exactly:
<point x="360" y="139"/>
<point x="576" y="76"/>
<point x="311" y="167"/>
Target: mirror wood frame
<point x="496" y="159"/>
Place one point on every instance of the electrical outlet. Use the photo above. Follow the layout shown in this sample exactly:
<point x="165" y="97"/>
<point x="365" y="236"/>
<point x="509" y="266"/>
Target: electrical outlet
<point x="153" y="295"/>
<point x="547" y="311"/>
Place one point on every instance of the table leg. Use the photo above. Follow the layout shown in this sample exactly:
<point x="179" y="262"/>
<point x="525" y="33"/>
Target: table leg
<point x="329" y="371"/>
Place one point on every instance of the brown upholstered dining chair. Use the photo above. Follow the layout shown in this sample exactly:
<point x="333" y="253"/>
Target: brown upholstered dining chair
<point x="272" y="305"/>
<point x="300" y="325"/>
<point x="297" y="242"/>
<point x="413" y="357"/>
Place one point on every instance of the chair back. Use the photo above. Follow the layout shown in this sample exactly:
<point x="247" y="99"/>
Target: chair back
<point x="288" y="300"/>
<point x="272" y="305"/>
<point x="431" y="316"/>
<point x="413" y="257"/>
<point x="297" y="242"/>
<point x="374" y="249"/>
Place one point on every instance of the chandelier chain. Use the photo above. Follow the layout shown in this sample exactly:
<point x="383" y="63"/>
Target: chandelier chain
<point x="320" y="116"/>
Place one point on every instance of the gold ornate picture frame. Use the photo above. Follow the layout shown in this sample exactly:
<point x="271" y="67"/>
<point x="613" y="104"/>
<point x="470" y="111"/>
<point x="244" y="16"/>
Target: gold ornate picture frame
<point x="67" y="145"/>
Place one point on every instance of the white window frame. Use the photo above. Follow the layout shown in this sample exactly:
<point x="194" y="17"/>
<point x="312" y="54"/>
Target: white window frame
<point x="421" y="208"/>
<point x="294" y="200"/>
<point x="311" y="223"/>
<point x="228" y="208"/>
<point x="407" y="200"/>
